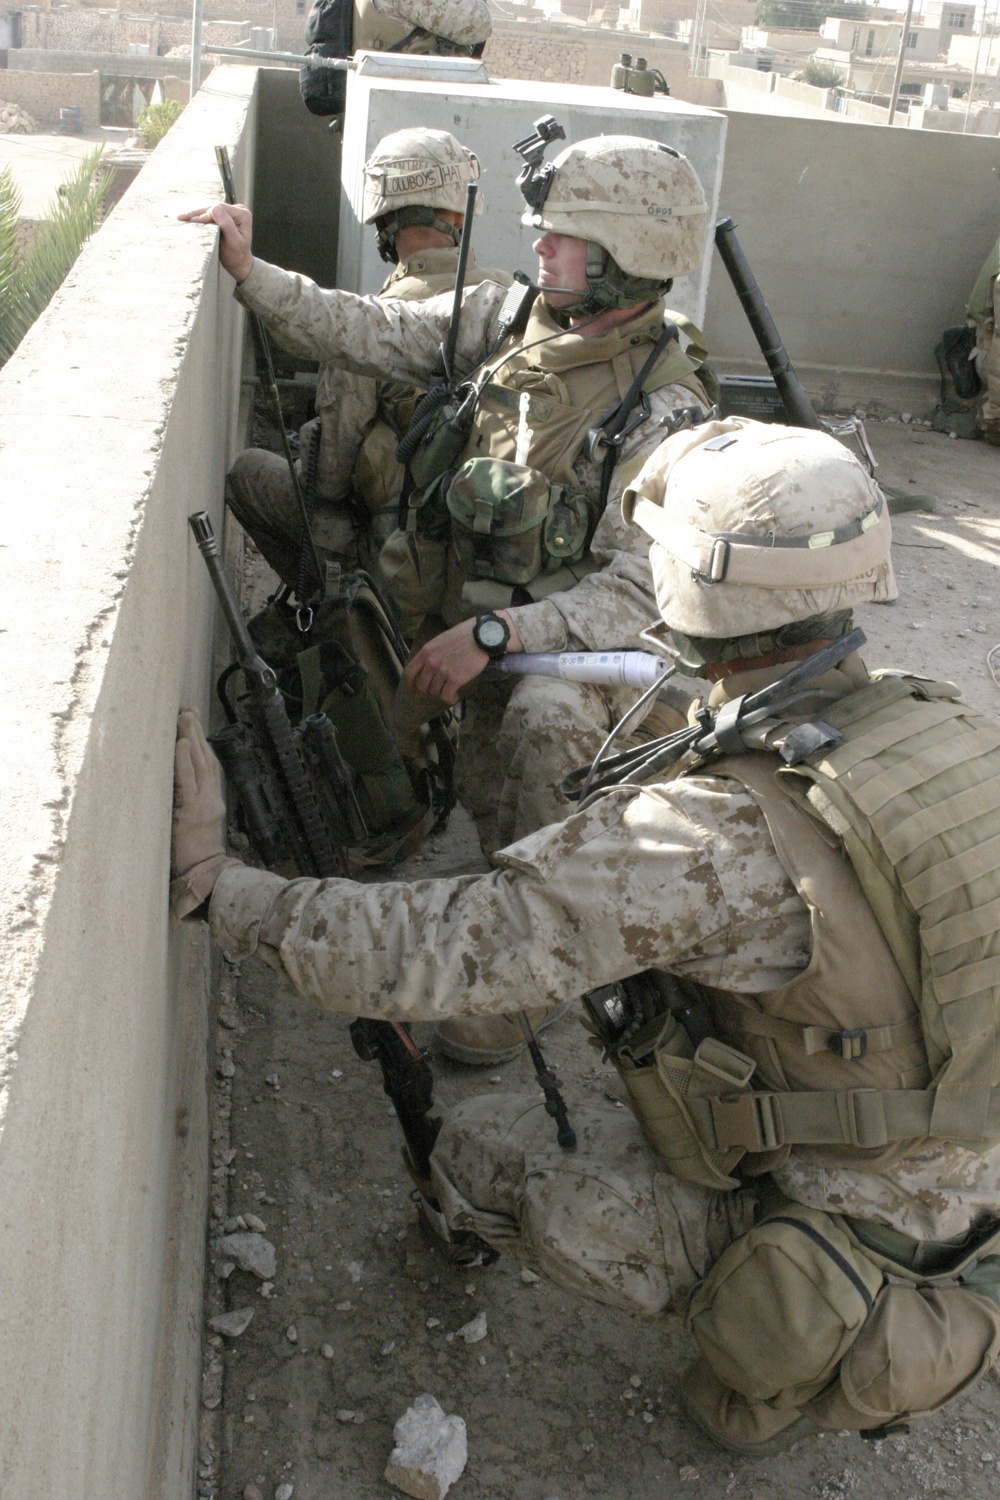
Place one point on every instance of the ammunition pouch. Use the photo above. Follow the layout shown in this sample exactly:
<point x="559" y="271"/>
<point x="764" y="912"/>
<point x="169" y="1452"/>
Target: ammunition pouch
<point x="509" y="524"/>
<point x="662" y="1073"/>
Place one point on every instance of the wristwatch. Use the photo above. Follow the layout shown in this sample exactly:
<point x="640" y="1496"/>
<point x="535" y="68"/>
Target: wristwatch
<point x="491" y="634"/>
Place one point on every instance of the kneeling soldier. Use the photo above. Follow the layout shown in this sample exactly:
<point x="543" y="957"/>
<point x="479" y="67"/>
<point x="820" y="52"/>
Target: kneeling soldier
<point x="810" y="1175"/>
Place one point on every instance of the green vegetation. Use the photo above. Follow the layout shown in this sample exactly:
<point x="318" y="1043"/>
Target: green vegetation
<point x="806" y="15"/>
<point x="156" y="119"/>
<point x="30" y="276"/>
<point x="822" y="75"/>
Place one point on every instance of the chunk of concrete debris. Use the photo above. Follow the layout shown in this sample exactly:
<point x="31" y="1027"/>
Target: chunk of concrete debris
<point x="284" y="1492"/>
<point x="252" y="1222"/>
<point x="430" y="1451"/>
<point x="529" y="1277"/>
<point x="474" y="1330"/>
<point x="251" y="1252"/>
<point x="232" y="1324"/>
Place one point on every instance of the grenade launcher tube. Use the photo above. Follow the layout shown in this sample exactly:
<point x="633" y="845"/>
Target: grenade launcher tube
<point x="798" y="407"/>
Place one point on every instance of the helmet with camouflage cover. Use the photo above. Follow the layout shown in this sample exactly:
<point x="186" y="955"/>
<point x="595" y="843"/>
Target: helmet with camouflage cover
<point x="409" y="175"/>
<point x="639" y="205"/>
<point x="763" y="537"/>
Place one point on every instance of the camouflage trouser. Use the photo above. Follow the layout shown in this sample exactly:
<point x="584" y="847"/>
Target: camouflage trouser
<point x="988" y="342"/>
<point x="519" y="738"/>
<point x="260" y="494"/>
<point x="606" y="1221"/>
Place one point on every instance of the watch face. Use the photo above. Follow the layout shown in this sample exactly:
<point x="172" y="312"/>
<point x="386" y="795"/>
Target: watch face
<point x="490" y="634"/>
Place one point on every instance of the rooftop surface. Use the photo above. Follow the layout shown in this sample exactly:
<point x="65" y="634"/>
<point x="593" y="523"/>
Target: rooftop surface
<point x="563" y="1399"/>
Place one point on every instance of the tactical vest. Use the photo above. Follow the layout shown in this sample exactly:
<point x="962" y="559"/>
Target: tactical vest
<point x="889" y="1036"/>
<point x="377" y="479"/>
<point x="543" y="393"/>
<point x="375" y="32"/>
<point x="539" y="396"/>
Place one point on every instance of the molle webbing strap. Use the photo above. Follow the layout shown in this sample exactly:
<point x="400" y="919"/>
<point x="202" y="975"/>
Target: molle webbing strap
<point x="866" y="1118"/>
<point x="914" y="791"/>
<point x="738" y="1018"/>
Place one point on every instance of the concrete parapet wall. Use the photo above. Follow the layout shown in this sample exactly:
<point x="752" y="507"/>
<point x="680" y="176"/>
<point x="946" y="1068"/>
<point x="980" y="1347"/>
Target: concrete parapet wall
<point x="866" y="243"/>
<point x="113" y="64"/>
<point x="45" y="94"/>
<point x="119" y="418"/>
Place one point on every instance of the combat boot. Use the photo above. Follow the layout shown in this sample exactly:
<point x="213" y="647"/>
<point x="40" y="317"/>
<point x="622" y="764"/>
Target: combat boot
<point x="750" y="1428"/>
<point x="482" y="1041"/>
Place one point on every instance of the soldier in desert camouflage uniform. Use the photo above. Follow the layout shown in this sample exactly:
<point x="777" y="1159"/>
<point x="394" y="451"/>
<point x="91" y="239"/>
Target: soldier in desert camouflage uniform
<point x="415" y="184"/>
<point x="619" y="218"/>
<point x="832" y="1233"/>
<point x="421" y="26"/>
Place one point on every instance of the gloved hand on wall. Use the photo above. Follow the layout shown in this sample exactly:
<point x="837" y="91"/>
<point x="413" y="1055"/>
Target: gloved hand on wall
<point x="198" y="836"/>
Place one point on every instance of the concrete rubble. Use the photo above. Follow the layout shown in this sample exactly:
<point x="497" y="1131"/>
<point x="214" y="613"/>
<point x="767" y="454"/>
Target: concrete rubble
<point x="16" y="121"/>
<point x="251" y="1252"/>
<point x="430" y="1451"/>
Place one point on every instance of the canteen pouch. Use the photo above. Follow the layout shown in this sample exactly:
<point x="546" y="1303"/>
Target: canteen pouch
<point x="509" y="524"/>
<point x="662" y="1072"/>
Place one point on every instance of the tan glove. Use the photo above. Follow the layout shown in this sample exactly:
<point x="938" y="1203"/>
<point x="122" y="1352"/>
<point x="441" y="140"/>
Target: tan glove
<point x="198" y="841"/>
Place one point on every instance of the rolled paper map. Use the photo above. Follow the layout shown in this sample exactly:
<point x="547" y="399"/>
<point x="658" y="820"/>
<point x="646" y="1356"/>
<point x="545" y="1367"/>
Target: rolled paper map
<point x="638" y="669"/>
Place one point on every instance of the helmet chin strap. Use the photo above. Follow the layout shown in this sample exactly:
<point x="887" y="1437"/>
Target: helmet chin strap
<point x="387" y="226"/>
<point x="608" y="286"/>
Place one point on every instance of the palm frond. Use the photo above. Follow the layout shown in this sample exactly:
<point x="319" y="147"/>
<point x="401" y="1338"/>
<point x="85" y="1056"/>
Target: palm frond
<point x="10" y="213"/>
<point x="28" y="281"/>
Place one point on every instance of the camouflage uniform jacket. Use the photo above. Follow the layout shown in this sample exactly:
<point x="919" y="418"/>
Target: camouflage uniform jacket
<point x="381" y="24"/>
<point x="679" y="875"/>
<point x="400" y="340"/>
<point x="347" y="404"/>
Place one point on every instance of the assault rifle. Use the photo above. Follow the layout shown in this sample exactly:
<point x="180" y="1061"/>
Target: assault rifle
<point x="280" y="777"/>
<point x="738" y="726"/>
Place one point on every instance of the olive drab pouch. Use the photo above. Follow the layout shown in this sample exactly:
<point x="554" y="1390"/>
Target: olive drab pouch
<point x="348" y="667"/>
<point x="662" y="1073"/>
<point x="509" y="523"/>
<point x="920" y="1347"/>
<point x="933" y="1331"/>
<point x="782" y="1306"/>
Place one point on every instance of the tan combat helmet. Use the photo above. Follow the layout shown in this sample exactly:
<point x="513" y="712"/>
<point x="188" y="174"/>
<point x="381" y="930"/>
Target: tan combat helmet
<point x="409" y="175"/>
<point x="637" y="200"/>
<point x="763" y="537"/>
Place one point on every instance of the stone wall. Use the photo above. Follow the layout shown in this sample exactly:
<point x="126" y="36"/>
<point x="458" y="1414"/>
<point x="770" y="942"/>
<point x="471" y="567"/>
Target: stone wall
<point x="75" y="29"/>
<point x="45" y="94"/>
<point x="288" y="16"/>
<point x="568" y="54"/>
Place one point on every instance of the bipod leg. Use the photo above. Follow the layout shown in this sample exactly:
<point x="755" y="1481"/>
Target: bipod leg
<point x="555" y="1104"/>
